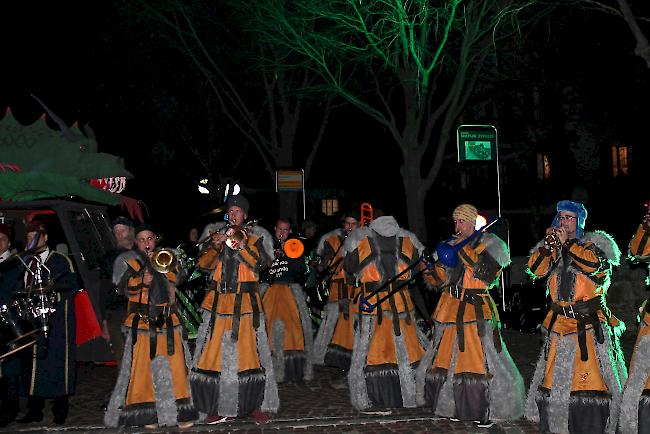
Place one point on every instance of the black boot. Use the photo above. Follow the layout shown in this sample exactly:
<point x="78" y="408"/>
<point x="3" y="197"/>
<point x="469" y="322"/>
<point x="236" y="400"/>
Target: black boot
<point x="34" y="410"/>
<point x="60" y="409"/>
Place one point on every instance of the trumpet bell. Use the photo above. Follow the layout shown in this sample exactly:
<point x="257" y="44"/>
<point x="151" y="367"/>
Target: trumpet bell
<point x="447" y="254"/>
<point x="236" y="236"/>
<point x="164" y="260"/>
<point x="294" y="248"/>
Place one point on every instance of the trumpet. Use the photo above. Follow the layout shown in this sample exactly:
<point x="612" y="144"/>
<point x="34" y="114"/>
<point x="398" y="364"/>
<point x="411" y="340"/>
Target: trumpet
<point x="552" y="241"/>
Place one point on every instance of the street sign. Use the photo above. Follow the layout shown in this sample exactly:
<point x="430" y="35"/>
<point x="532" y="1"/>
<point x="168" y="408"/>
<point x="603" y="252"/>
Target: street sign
<point x="476" y="143"/>
<point x="289" y="180"/>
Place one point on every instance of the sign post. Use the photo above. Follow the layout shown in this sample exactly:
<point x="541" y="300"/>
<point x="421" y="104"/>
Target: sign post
<point x="292" y="180"/>
<point x="480" y="143"/>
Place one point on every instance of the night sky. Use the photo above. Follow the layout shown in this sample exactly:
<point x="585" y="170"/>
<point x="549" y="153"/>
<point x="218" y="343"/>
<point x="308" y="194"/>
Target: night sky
<point x="73" y="55"/>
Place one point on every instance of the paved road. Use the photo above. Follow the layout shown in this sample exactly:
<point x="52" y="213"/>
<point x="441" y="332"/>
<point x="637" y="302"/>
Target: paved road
<point x="318" y="406"/>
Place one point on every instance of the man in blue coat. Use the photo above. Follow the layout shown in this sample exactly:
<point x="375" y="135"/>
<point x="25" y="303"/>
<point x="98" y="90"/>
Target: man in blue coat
<point x="51" y="374"/>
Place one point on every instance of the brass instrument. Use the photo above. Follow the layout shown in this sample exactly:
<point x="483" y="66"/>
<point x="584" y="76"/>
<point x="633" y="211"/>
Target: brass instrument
<point x="237" y="234"/>
<point x="164" y="260"/>
<point x="552" y="241"/>
<point x="366" y="214"/>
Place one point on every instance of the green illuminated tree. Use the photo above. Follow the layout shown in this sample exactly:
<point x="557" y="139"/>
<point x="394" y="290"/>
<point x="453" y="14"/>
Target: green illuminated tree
<point x="409" y="65"/>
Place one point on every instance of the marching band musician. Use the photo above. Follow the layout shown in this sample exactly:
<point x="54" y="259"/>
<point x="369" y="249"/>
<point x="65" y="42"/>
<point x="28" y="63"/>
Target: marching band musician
<point x="10" y="272"/>
<point x="152" y="388"/>
<point x="334" y="340"/>
<point x="288" y="324"/>
<point x="51" y="372"/>
<point x="467" y="373"/>
<point x="386" y="345"/>
<point x="635" y="404"/>
<point x="577" y="383"/>
<point x="232" y="371"/>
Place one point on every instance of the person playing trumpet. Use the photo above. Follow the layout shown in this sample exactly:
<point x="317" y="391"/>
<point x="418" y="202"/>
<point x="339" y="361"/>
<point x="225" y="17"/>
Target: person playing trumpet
<point x="577" y="383"/>
<point x="288" y="324"/>
<point x="152" y="387"/>
<point x="232" y="370"/>
<point x="467" y="373"/>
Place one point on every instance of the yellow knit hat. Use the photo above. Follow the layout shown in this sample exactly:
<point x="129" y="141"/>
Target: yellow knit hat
<point x="465" y="212"/>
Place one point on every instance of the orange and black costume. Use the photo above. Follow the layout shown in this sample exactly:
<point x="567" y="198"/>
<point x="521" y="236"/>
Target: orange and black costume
<point x="467" y="372"/>
<point x="152" y="386"/>
<point x="386" y="345"/>
<point x="578" y="380"/>
<point x="232" y="371"/>
<point x="334" y="340"/>
<point x="635" y="405"/>
<point x="288" y="323"/>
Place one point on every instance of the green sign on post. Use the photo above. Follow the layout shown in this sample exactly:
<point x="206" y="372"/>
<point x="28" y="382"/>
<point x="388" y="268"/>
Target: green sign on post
<point x="476" y="143"/>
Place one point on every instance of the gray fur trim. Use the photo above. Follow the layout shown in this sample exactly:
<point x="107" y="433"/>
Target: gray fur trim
<point x="186" y="354"/>
<point x="507" y="393"/>
<point x="163" y="389"/>
<point x="352" y="241"/>
<point x="356" y="377"/>
<point x="267" y="241"/>
<point x="606" y="243"/>
<point x="386" y="226"/>
<point x="610" y="373"/>
<point x="532" y="411"/>
<point x="271" y="401"/>
<point x="446" y="402"/>
<point x="325" y="332"/>
<point x="307" y="332"/>
<point x="201" y="337"/>
<point x="277" y="346"/>
<point x="212" y="227"/>
<point x="425" y="365"/>
<point x="419" y="247"/>
<point x="120" y="266"/>
<point x="422" y="337"/>
<point x="118" y="396"/>
<point x="558" y="402"/>
<point x="229" y="379"/>
<point x="496" y="248"/>
<point x="629" y="412"/>
<point x="262" y="290"/>
<point x="321" y="242"/>
<point x="405" y="370"/>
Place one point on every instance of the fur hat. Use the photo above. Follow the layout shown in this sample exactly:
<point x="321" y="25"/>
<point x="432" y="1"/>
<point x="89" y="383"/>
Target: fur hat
<point x="238" y="200"/>
<point x="576" y="208"/>
<point x="465" y="212"/>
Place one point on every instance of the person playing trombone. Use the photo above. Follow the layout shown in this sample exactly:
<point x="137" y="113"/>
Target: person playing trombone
<point x="467" y="373"/>
<point x="232" y="370"/>
<point x="152" y="387"/>
<point x="380" y="257"/>
<point x="333" y="343"/>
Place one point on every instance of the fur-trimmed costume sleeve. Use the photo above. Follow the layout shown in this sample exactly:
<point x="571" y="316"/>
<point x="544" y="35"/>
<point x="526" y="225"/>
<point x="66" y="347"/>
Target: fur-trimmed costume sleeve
<point x="486" y="259"/>
<point x="595" y="253"/>
<point x="540" y="261"/>
<point x="639" y="248"/>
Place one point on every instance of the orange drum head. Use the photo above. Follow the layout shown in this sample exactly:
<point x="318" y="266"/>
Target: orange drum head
<point x="294" y="248"/>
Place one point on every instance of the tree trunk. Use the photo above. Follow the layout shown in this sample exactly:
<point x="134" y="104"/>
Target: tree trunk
<point x="289" y="201"/>
<point x="414" y="200"/>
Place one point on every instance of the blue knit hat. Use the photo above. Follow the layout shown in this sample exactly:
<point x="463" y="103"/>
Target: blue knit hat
<point x="575" y="207"/>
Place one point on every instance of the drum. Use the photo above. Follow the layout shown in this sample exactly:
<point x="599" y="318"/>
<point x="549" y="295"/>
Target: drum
<point x="16" y="332"/>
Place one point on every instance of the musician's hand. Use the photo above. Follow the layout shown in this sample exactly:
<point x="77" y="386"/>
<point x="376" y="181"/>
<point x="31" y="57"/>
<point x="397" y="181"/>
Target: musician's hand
<point x="148" y="277"/>
<point x="562" y="235"/>
<point x="218" y="239"/>
<point x="551" y="230"/>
